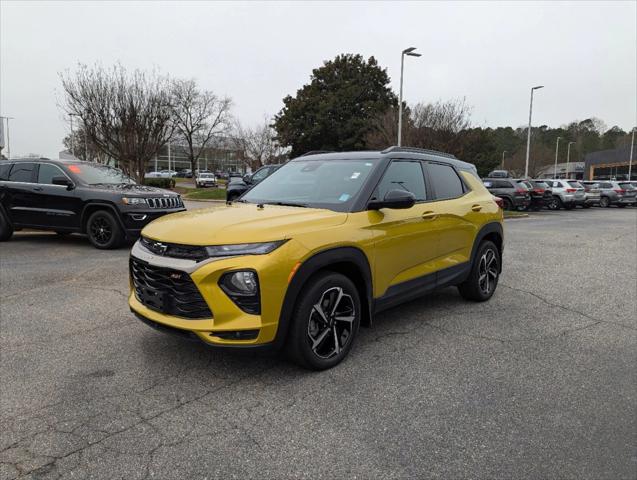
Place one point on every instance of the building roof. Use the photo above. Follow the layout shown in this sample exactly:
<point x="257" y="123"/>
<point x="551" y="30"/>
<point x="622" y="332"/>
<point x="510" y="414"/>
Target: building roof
<point x="617" y="155"/>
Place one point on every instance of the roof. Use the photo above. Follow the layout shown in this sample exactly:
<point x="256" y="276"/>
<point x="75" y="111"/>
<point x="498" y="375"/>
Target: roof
<point x="616" y="155"/>
<point x="393" y="152"/>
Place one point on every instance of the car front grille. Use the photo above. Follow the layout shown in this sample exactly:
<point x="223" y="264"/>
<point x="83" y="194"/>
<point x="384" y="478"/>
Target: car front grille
<point x="174" y="250"/>
<point x="167" y="291"/>
<point x="165" y="202"/>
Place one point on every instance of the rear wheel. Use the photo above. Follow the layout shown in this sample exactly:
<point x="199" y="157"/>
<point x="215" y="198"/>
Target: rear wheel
<point x="555" y="203"/>
<point x="484" y="275"/>
<point x="104" y="231"/>
<point x="6" y="230"/>
<point x="231" y="197"/>
<point x="587" y="205"/>
<point x="604" y="202"/>
<point x="622" y="205"/>
<point x="507" y="205"/>
<point x="325" y="322"/>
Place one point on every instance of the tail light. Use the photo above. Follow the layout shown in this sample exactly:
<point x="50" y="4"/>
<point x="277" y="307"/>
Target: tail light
<point x="499" y="201"/>
<point x="620" y="191"/>
<point x="571" y="190"/>
<point x="521" y="191"/>
<point x="538" y="190"/>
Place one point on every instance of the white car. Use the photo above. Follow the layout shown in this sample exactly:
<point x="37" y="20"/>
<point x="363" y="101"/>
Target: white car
<point x="205" y="180"/>
<point x="167" y="173"/>
<point x="567" y="193"/>
<point x="152" y="175"/>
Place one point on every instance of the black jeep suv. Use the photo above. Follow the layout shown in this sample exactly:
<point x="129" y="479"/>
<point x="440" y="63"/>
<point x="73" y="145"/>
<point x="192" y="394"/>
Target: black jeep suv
<point x="72" y="196"/>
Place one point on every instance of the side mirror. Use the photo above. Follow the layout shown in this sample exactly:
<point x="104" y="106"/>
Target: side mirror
<point x="247" y="178"/>
<point x="396" y="199"/>
<point x="62" y="180"/>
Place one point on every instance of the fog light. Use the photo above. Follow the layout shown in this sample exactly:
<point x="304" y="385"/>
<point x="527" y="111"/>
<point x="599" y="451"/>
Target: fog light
<point x="243" y="289"/>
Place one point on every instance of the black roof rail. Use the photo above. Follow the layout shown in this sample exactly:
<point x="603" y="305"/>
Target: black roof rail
<point x="316" y="152"/>
<point x="417" y="150"/>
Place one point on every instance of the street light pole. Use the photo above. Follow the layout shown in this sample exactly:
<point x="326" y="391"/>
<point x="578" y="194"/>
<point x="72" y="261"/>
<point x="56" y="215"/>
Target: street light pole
<point x="557" y="149"/>
<point x="71" y="115"/>
<point x="630" y="161"/>
<point x="568" y="158"/>
<point x="502" y="164"/>
<point x="528" y="138"/>
<point x="409" y="52"/>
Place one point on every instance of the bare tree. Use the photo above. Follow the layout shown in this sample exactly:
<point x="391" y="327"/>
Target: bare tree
<point x="126" y="115"/>
<point x="83" y="147"/>
<point x="258" y="145"/>
<point x="199" y="117"/>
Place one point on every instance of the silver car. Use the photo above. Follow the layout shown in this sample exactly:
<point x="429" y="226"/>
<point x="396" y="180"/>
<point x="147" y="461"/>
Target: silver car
<point x="615" y="193"/>
<point x="566" y="194"/>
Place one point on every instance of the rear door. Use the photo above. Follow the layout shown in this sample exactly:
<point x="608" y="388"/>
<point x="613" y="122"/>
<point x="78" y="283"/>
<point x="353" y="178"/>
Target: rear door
<point x="57" y="205"/>
<point x="20" y="195"/>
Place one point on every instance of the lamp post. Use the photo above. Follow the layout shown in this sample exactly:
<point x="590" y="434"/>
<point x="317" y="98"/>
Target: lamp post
<point x="502" y="164"/>
<point x="71" y="115"/>
<point x="528" y="138"/>
<point x="568" y="158"/>
<point x="557" y="149"/>
<point x="409" y="52"/>
<point x="8" y="137"/>
<point x="630" y="161"/>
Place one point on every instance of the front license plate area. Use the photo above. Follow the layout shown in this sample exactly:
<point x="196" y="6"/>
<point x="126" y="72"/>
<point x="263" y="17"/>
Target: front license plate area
<point x="152" y="298"/>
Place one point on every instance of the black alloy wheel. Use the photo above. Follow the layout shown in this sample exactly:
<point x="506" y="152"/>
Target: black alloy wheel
<point x="104" y="231"/>
<point x="326" y="321"/>
<point x="484" y="276"/>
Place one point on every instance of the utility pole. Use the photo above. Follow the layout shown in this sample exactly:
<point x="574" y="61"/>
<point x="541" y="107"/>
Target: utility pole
<point x="630" y="162"/>
<point x="502" y="164"/>
<point x="557" y="149"/>
<point x="568" y="158"/>
<point x="8" y="137"/>
<point x="71" y="115"/>
<point x="528" y="138"/>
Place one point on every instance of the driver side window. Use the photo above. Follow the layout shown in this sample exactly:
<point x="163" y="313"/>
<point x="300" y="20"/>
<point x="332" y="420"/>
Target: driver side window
<point x="260" y="175"/>
<point x="403" y="175"/>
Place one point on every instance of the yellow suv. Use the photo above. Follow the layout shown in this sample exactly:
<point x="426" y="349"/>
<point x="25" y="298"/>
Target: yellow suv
<point x="305" y="257"/>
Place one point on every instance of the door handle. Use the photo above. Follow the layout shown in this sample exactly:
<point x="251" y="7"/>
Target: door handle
<point x="429" y="215"/>
<point x="37" y="189"/>
<point x="476" y="207"/>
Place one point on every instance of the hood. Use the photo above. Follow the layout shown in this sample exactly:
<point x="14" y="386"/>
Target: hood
<point x="135" y="189"/>
<point x="240" y="223"/>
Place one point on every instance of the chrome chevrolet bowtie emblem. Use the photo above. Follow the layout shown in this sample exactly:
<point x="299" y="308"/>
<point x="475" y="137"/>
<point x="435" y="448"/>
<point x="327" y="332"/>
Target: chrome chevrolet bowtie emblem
<point x="159" y="247"/>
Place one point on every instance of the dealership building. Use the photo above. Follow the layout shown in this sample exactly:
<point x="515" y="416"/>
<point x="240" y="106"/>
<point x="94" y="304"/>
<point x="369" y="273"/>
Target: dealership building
<point x="609" y="165"/>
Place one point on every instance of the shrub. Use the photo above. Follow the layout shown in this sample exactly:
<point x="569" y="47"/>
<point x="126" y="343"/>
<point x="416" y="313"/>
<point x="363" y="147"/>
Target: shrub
<point x="160" y="182"/>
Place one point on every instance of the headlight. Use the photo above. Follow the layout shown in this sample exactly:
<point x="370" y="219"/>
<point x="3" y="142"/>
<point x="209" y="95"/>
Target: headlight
<point x="134" y="201"/>
<point x="243" y="249"/>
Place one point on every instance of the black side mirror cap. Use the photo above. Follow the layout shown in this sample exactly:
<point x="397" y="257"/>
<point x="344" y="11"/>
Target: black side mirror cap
<point x="64" y="181"/>
<point x="396" y="199"/>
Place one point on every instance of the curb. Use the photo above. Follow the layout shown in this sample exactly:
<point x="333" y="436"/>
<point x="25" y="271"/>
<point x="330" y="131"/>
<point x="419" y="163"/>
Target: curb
<point x="212" y="200"/>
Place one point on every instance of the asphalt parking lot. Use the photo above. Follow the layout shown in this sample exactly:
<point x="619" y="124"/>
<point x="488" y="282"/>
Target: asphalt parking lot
<point x="540" y="382"/>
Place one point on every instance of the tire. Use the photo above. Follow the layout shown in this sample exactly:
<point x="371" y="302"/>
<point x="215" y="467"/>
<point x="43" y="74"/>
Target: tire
<point x="556" y="204"/>
<point x="104" y="231"/>
<point x="604" y="202"/>
<point x="6" y="230"/>
<point x="231" y="197"/>
<point x="621" y="205"/>
<point x="484" y="276"/>
<point x="507" y="204"/>
<point x="586" y="205"/>
<point x="569" y="207"/>
<point x="318" y="339"/>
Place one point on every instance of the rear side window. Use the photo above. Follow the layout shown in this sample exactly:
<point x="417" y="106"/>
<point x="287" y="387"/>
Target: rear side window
<point x="46" y="172"/>
<point x="21" y="172"/>
<point x="503" y="184"/>
<point x="605" y="185"/>
<point x="575" y="184"/>
<point x="4" y="170"/>
<point x="403" y="176"/>
<point x="627" y="186"/>
<point x="445" y="181"/>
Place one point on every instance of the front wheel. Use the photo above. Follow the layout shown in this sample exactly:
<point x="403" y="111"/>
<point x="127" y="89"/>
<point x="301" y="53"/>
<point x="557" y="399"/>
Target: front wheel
<point x="6" y="230"/>
<point x="104" y="231"/>
<point x="325" y="322"/>
<point x="484" y="276"/>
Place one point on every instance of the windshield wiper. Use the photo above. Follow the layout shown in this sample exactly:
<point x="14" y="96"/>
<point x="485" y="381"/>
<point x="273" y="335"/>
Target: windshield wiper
<point x="286" y="204"/>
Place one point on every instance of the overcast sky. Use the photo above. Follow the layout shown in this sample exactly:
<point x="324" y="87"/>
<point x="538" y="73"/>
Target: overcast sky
<point x="491" y="53"/>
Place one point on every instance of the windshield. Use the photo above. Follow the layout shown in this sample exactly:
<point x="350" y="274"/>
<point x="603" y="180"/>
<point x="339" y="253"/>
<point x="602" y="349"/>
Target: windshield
<point x="331" y="184"/>
<point x="540" y="184"/>
<point x="206" y="175"/>
<point x="627" y="186"/>
<point x="95" y="174"/>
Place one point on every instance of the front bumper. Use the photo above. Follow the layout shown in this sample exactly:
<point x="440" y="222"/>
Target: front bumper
<point x="227" y="318"/>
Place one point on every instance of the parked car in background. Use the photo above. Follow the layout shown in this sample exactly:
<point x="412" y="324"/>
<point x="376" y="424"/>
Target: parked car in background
<point x="612" y="192"/>
<point x="540" y="193"/>
<point x="67" y="196"/>
<point x="592" y="192"/>
<point x="155" y="174"/>
<point x="500" y="174"/>
<point x="514" y="195"/>
<point x="238" y="187"/>
<point x="566" y="194"/>
<point x="205" y="180"/>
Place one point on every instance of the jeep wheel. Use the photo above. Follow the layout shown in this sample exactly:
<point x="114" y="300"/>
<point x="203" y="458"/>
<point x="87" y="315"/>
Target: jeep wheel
<point x="104" y="231"/>
<point x="507" y="205"/>
<point x="325" y="322"/>
<point x="231" y="197"/>
<point x="554" y="204"/>
<point x="6" y="231"/>
<point x="484" y="275"/>
<point x="604" y="202"/>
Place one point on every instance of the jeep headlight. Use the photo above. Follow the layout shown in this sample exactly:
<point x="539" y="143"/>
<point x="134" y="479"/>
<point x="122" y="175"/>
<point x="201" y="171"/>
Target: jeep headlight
<point x="243" y="249"/>
<point x="134" y="201"/>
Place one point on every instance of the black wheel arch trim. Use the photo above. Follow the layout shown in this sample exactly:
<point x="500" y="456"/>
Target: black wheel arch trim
<point x="322" y="261"/>
<point x="100" y="205"/>
<point x="488" y="229"/>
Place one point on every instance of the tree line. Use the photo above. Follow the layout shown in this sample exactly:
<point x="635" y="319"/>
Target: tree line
<point x="347" y="105"/>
